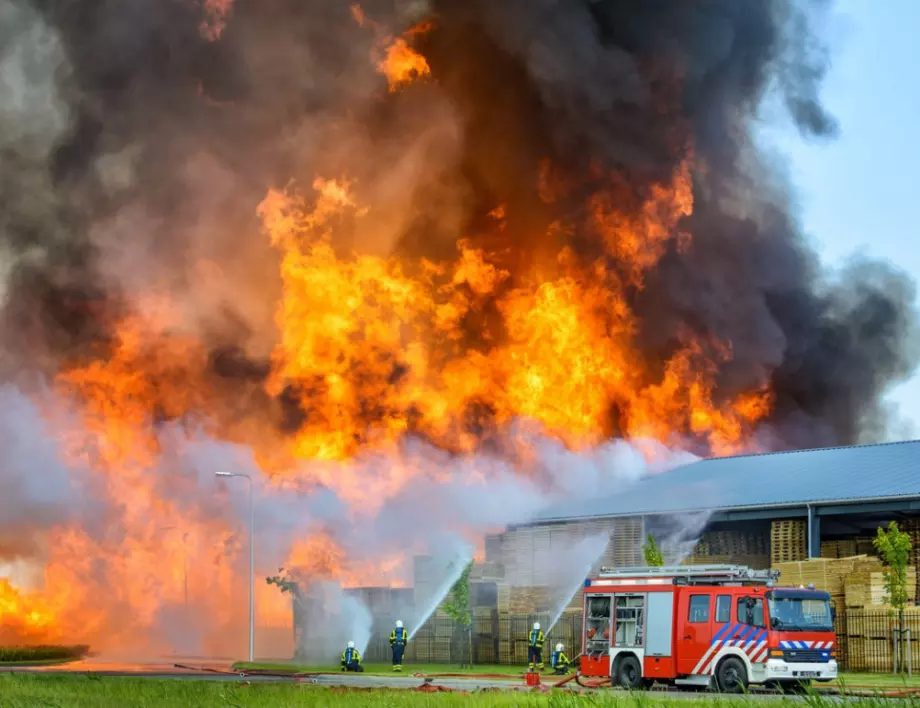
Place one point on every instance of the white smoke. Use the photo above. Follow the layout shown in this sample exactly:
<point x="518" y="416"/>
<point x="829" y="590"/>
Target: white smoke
<point x="417" y="501"/>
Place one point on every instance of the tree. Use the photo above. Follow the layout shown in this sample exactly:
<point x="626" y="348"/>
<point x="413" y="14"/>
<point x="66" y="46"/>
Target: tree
<point x="653" y="555"/>
<point x="894" y="546"/>
<point x="285" y="582"/>
<point x="457" y="607"/>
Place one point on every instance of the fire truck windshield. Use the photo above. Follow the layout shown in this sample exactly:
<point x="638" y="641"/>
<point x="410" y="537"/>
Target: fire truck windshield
<point x="800" y="612"/>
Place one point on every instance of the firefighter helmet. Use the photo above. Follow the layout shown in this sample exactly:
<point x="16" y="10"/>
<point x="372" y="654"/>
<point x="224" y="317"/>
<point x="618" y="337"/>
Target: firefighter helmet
<point x="351" y="645"/>
<point x="398" y="624"/>
<point x="559" y="647"/>
<point x="536" y="625"/>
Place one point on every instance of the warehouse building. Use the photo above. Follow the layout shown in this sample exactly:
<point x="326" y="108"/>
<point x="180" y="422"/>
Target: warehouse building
<point x="834" y="496"/>
<point x="766" y="510"/>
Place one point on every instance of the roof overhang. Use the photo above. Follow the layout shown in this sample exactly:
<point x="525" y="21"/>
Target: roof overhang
<point x="823" y="507"/>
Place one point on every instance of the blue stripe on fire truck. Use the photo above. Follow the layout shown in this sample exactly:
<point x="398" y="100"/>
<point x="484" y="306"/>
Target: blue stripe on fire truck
<point x="793" y="645"/>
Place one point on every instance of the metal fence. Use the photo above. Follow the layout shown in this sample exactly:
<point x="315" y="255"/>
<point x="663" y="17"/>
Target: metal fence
<point x="495" y="639"/>
<point x="866" y="640"/>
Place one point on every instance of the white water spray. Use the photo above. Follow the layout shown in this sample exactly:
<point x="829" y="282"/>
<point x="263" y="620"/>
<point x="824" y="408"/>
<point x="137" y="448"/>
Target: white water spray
<point x="577" y="566"/>
<point x="454" y="570"/>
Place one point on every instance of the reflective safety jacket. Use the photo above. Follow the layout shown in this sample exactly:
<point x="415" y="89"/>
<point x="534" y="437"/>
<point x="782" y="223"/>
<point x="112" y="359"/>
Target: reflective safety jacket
<point x="559" y="660"/>
<point x="536" y="638"/>
<point x="349" y="656"/>
<point x="399" y="636"/>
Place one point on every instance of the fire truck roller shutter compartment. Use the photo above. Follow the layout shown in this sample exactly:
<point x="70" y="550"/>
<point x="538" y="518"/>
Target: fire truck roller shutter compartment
<point x="659" y="654"/>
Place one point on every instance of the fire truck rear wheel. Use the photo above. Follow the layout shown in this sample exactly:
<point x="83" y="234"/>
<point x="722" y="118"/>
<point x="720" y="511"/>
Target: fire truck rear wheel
<point x="731" y="676"/>
<point x="629" y="674"/>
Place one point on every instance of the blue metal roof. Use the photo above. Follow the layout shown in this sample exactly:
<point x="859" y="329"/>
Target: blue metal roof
<point x="782" y="479"/>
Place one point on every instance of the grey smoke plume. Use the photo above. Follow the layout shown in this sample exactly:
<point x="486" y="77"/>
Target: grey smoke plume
<point x="136" y="150"/>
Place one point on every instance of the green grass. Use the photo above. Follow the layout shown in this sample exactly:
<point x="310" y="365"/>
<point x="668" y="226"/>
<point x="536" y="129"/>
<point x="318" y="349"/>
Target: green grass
<point x="428" y="669"/>
<point x="43" y="654"/>
<point x="87" y="691"/>
<point x="876" y="680"/>
<point x="32" y="691"/>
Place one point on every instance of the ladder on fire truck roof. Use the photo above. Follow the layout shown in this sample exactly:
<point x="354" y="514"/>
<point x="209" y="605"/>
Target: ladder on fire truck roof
<point x="695" y="574"/>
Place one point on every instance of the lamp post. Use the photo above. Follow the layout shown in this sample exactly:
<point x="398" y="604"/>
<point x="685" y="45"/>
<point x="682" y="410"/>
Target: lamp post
<point x="252" y="570"/>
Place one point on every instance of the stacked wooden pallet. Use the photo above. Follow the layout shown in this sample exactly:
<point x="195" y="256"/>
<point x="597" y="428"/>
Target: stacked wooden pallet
<point x="528" y="601"/>
<point x="865" y="586"/>
<point x="732" y="544"/>
<point x="757" y="562"/>
<point x="839" y="549"/>
<point x="865" y="546"/>
<point x="788" y="541"/>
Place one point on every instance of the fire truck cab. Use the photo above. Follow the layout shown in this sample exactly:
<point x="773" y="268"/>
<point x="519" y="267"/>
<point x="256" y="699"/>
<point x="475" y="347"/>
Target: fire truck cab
<point x="717" y="626"/>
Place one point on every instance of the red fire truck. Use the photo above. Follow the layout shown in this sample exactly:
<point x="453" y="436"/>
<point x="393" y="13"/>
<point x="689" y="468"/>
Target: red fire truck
<point x="717" y="626"/>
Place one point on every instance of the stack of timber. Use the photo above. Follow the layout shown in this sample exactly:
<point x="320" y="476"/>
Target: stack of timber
<point x="839" y="549"/>
<point x="865" y="586"/>
<point x="757" y="562"/>
<point x="828" y="574"/>
<point x="788" y="541"/>
<point x="731" y="544"/>
<point x="528" y="601"/>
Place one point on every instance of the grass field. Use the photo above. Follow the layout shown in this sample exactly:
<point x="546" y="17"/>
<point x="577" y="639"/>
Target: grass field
<point x="874" y="680"/>
<point x="29" y="691"/>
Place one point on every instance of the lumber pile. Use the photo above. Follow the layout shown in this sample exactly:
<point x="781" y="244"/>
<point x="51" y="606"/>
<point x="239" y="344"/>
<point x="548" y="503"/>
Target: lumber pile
<point x="757" y="562"/>
<point x="528" y="601"/>
<point x="839" y="549"/>
<point x="732" y="544"/>
<point x="865" y="586"/>
<point x="828" y="574"/>
<point x="788" y="541"/>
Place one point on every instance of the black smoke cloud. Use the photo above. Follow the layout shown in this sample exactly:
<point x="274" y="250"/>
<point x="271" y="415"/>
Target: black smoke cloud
<point x="141" y="149"/>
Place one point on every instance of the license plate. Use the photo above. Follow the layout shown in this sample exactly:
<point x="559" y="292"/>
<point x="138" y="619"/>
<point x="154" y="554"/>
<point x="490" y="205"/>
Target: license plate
<point x="806" y="674"/>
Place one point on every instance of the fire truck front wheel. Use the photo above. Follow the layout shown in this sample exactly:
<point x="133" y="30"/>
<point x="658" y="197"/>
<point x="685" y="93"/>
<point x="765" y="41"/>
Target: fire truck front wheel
<point x="629" y="673"/>
<point x="731" y="676"/>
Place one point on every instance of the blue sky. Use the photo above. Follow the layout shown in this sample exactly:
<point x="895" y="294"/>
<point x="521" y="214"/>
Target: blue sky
<point x="859" y="194"/>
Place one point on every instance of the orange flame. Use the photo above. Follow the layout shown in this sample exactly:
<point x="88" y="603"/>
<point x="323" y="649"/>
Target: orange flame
<point x="23" y="616"/>
<point x="400" y="63"/>
<point x="368" y="349"/>
<point x="217" y="13"/>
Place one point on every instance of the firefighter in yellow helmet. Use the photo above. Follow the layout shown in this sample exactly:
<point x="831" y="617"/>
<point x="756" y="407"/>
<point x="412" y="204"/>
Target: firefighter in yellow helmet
<point x="535" y="647"/>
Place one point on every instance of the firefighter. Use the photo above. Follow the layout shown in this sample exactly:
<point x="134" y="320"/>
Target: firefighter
<point x="535" y="647"/>
<point x="559" y="661"/>
<point x="398" y="640"/>
<point x="351" y="659"/>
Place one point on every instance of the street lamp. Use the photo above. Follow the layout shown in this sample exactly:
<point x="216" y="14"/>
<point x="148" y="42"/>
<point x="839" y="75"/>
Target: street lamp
<point x="252" y="570"/>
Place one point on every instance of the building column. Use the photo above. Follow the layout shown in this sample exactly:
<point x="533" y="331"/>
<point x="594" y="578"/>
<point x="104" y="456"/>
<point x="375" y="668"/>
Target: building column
<point x="814" y="533"/>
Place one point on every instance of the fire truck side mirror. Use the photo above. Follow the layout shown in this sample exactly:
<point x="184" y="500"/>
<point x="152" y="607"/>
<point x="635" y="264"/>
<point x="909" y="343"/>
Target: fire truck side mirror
<point x="774" y="622"/>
